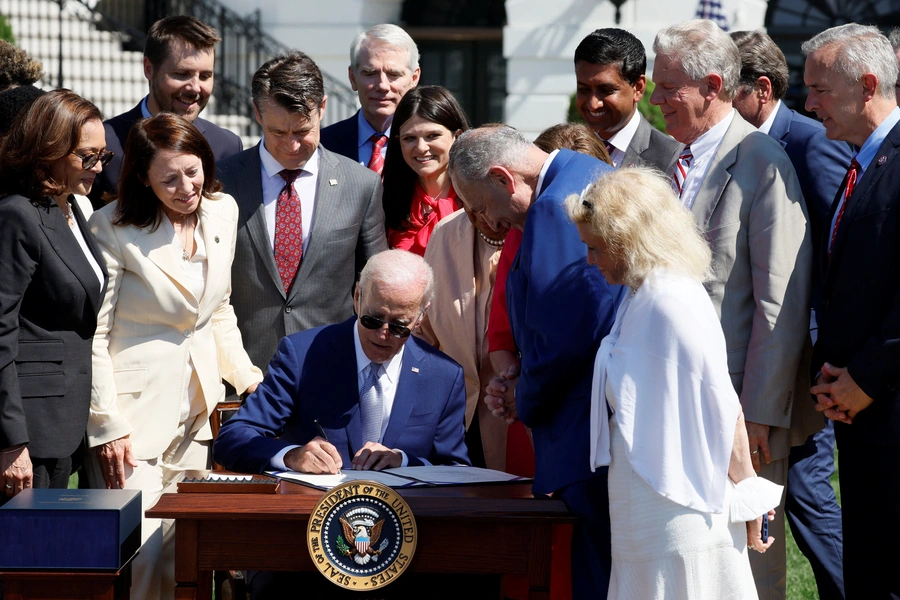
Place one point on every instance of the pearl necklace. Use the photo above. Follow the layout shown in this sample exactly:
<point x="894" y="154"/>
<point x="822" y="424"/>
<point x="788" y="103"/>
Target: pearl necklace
<point x="487" y="240"/>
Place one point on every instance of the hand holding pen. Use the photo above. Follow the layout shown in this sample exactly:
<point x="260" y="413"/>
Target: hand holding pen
<point x="318" y="456"/>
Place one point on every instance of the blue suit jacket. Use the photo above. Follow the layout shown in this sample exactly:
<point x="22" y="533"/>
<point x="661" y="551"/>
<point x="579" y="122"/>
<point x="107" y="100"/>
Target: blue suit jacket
<point x="560" y="308"/>
<point x="313" y="375"/>
<point x="343" y="137"/>
<point x="859" y="314"/>
<point x="820" y="164"/>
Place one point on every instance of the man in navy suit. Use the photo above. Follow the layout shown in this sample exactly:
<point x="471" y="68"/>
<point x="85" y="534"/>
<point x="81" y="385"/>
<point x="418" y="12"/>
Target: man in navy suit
<point x="384" y="65"/>
<point x="810" y="506"/>
<point x="560" y="308"/>
<point x="382" y="398"/>
<point x="179" y="56"/>
<point x="851" y="72"/>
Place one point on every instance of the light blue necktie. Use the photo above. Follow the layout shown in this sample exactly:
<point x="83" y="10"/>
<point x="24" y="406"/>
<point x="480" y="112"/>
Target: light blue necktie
<point x="371" y="405"/>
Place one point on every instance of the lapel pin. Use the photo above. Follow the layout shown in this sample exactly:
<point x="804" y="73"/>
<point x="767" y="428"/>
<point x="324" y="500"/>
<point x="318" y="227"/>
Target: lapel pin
<point x="217" y="239"/>
<point x="882" y="159"/>
<point x="332" y="182"/>
<point x="415" y="369"/>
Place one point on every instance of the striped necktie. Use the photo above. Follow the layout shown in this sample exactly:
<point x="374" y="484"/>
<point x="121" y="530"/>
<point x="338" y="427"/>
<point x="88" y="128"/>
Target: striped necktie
<point x="682" y="166"/>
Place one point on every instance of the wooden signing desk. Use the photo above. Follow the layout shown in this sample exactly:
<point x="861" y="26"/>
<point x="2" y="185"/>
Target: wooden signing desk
<point x="492" y="529"/>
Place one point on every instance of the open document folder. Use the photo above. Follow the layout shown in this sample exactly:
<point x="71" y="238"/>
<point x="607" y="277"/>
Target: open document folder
<point x="405" y="477"/>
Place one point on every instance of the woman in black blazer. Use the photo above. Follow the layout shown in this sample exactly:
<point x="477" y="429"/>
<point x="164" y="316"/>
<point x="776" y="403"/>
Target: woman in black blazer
<point x="52" y="280"/>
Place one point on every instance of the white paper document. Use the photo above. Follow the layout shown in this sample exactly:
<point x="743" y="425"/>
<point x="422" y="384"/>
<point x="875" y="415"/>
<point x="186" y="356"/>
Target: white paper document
<point x="326" y="482"/>
<point x="404" y="477"/>
<point x="454" y="475"/>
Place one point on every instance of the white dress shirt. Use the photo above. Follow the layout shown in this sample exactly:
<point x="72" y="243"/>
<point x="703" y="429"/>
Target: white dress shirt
<point x="273" y="183"/>
<point x="389" y="377"/>
<point x="622" y="139"/>
<point x="766" y="127"/>
<point x="704" y="150"/>
<point x="540" y="182"/>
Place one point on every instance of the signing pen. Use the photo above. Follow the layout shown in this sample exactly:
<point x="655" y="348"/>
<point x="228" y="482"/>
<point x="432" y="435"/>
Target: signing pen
<point x="322" y="435"/>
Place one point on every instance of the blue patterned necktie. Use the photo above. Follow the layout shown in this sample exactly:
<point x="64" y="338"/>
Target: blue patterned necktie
<point x="371" y="405"/>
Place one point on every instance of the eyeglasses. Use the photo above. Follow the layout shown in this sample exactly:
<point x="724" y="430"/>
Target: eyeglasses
<point x="398" y="331"/>
<point x="92" y="158"/>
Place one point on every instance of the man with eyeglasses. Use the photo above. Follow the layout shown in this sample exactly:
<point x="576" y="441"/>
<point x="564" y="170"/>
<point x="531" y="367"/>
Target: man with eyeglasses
<point x="362" y="394"/>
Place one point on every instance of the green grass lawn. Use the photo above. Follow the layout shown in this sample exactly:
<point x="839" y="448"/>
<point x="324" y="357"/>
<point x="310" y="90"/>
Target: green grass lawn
<point x="801" y="585"/>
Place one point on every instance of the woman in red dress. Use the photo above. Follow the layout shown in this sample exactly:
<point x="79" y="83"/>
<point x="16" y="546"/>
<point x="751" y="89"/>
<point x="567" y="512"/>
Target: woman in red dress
<point x="417" y="189"/>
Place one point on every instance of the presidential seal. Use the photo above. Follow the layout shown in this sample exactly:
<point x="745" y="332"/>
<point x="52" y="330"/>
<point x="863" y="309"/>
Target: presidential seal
<point x="361" y="535"/>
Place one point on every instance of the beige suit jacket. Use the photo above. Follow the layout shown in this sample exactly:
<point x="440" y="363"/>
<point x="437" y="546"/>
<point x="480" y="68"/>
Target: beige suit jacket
<point x="450" y="324"/>
<point x="150" y="325"/>
<point x="752" y="212"/>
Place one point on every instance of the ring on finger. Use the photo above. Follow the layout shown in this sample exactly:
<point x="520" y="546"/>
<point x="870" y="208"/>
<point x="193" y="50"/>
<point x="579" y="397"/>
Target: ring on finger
<point x="754" y="451"/>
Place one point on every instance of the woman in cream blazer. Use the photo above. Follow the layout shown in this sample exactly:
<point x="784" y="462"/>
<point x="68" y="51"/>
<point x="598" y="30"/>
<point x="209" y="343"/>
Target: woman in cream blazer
<point x="166" y="333"/>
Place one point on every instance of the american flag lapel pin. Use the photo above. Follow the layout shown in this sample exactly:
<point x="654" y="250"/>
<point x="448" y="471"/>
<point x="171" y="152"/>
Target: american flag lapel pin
<point x="332" y="182"/>
<point x="415" y="369"/>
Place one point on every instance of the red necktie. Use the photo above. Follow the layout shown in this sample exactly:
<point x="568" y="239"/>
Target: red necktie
<point x="376" y="162"/>
<point x="288" y="230"/>
<point x="852" y="175"/>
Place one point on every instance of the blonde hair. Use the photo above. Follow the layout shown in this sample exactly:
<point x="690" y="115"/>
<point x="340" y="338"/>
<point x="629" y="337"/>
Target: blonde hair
<point x="636" y="213"/>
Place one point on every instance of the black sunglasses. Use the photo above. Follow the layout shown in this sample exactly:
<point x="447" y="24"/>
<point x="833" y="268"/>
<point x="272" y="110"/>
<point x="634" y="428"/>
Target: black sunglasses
<point x="398" y="331"/>
<point x="92" y="158"/>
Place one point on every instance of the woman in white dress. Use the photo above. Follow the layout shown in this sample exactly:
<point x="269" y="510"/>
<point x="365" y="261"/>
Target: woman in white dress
<point x="685" y="505"/>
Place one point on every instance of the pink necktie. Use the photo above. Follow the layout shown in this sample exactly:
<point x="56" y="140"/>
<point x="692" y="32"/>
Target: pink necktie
<point x="852" y="175"/>
<point x="288" y="230"/>
<point x="681" y="168"/>
<point x="376" y="162"/>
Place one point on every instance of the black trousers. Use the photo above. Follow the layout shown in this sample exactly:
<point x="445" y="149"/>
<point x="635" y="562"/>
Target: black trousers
<point x="870" y="501"/>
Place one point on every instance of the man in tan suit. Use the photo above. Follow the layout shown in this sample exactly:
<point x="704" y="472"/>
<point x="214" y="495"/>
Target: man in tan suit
<point x="744" y="194"/>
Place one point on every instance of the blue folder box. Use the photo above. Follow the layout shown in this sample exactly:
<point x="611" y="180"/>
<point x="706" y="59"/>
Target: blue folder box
<point x="70" y="529"/>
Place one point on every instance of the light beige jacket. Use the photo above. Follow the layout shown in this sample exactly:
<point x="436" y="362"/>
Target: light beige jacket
<point x="150" y="325"/>
<point x="450" y="324"/>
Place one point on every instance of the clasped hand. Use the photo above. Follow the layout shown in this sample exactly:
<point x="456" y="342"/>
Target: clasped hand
<point x="838" y="395"/>
<point x="500" y="395"/>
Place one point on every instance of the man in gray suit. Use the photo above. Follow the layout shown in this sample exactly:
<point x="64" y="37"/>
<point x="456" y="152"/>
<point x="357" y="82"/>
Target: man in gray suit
<point x="744" y="195"/>
<point x="309" y="218"/>
<point x="609" y="70"/>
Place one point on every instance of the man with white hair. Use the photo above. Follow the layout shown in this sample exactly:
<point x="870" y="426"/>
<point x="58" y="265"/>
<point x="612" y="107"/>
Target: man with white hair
<point x="382" y="397"/>
<point x="744" y="195"/>
<point x="811" y="506"/>
<point x="851" y="72"/>
<point x="560" y="307"/>
<point x="384" y="65"/>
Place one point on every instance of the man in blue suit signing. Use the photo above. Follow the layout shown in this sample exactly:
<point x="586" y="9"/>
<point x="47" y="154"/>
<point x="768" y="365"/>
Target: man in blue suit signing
<point x="381" y="397"/>
<point x="560" y="308"/>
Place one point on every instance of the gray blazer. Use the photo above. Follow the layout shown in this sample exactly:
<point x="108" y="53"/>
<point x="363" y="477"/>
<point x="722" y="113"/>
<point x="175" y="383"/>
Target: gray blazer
<point x="348" y="228"/>
<point x="752" y="212"/>
<point x="651" y="147"/>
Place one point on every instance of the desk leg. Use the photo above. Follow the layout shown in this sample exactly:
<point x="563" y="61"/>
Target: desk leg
<point x="539" y="563"/>
<point x="190" y="582"/>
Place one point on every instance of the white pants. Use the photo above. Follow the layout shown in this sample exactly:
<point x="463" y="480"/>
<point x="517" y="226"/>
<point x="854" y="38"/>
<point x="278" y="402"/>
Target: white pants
<point x="153" y="571"/>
